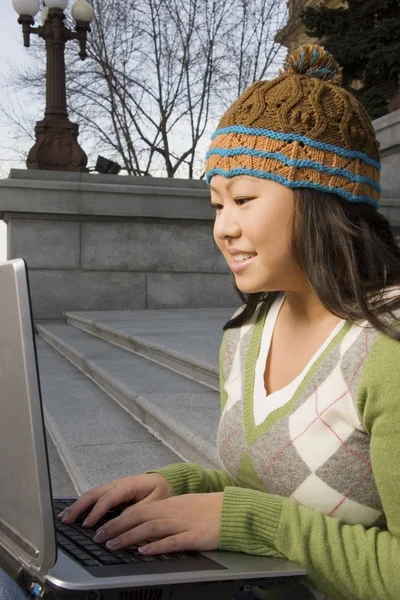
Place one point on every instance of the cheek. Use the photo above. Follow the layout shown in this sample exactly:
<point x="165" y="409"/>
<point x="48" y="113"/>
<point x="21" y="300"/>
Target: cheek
<point x="272" y="239"/>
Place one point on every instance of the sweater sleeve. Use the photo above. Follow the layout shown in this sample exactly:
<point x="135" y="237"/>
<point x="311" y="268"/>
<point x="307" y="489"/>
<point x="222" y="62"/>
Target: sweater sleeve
<point x="343" y="561"/>
<point x="189" y="478"/>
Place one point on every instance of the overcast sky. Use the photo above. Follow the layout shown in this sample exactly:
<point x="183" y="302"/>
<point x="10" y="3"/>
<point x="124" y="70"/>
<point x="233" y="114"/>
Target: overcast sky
<point x="12" y="53"/>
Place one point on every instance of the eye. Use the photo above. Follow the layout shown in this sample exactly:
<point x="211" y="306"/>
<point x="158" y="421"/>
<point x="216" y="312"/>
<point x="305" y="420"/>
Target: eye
<point x="241" y="201"/>
<point x="216" y="207"/>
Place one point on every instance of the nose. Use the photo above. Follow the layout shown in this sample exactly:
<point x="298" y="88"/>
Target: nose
<point x="226" y="224"/>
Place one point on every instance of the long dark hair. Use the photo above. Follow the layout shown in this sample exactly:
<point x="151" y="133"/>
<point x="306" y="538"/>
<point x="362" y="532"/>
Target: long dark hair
<point x="349" y="256"/>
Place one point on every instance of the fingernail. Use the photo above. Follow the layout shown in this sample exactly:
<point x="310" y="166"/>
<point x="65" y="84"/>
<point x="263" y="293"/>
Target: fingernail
<point x="143" y="549"/>
<point x="113" y="544"/>
<point x="100" y="535"/>
<point x="85" y="522"/>
<point x="65" y="518"/>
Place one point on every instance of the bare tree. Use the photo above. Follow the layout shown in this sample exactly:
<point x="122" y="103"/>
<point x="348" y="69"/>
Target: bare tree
<point x="159" y="73"/>
<point x="251" y="45"/>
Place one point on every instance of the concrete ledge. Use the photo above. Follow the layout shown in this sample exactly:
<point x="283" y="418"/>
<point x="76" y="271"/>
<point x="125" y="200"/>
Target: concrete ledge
<point x="47" y="244"/>
<point x="387" y="130"/>
<point x="56" y="290"/>
<point x="190" y="290"/>
<point x="150" y="247"/>
<point x="74" y="194"/>
<point x="108" y="237"/>
<point x="96" y="178"/>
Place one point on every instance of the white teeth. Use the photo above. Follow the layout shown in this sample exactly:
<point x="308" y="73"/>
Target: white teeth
<point x="241" y="257"/>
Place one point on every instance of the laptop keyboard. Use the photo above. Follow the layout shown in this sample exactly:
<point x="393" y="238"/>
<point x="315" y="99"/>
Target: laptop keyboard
<point x="77" y="541"/>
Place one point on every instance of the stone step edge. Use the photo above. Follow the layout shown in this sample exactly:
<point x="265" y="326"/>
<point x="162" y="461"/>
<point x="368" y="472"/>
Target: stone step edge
<point x="61" y="445"/>
<point x="73" y="470"/>
<point x="190" y="367"/>
<point x="178" y="438"/>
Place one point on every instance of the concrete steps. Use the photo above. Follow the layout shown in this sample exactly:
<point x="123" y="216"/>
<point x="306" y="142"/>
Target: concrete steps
<point x="91" y="439"/>
<point x="186" y="341"/>
<point x="157" y="378"/>
<point x="61" y="483"/>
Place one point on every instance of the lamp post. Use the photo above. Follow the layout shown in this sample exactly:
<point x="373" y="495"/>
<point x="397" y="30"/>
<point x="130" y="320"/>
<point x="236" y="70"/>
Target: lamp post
<point x="56" y="147"/>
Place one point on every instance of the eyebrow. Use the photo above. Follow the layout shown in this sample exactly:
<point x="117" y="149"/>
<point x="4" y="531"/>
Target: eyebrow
<point x="229" y="183"/>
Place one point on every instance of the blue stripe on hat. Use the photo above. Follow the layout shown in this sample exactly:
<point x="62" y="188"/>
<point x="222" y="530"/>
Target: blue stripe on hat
<point x="294" y="162"/>
<point x="292" y="184"/>
<point x="294" y="137"/>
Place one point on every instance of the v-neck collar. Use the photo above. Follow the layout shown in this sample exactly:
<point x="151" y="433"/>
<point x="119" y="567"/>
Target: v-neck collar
<point x="254" y="431"/>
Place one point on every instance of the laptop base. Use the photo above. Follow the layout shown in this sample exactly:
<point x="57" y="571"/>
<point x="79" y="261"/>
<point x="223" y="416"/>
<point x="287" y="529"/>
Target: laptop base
<point x="195" y="591"/>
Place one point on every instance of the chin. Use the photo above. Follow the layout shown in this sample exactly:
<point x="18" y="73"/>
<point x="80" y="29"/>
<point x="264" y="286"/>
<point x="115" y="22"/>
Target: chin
<point x="247" y="287"/>
<point x="250" y="289"/>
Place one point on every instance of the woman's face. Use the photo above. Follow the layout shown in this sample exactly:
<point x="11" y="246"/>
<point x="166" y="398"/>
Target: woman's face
<point x="253" y="229"/>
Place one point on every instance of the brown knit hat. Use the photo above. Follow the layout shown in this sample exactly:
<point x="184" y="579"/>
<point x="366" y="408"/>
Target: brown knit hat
<point x="301" y="129"/>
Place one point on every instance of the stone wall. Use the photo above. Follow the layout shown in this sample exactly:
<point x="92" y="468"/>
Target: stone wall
<point x="96" y="242"/>
<point x="387" y="129"/>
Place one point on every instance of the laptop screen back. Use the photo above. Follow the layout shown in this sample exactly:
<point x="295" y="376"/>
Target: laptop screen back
<point x="26" y="517"/>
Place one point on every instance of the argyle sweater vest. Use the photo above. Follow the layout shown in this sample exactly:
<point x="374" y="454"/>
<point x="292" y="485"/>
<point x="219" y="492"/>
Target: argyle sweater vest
<point x="318" y="481"/>
<point x="313" y="449"/>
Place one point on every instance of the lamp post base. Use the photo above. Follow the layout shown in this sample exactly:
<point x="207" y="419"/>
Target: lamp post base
<point x="57" y="147"/>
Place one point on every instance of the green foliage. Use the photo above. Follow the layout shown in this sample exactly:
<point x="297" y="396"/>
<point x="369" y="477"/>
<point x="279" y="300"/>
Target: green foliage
<point x="365" y="40"/>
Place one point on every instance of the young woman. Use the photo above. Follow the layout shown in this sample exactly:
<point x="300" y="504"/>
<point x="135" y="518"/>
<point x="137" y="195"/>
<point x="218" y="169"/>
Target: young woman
<point x="310" y="366"/>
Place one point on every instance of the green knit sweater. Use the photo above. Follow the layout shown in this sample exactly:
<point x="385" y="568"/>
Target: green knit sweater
<point x="318" y="482"/>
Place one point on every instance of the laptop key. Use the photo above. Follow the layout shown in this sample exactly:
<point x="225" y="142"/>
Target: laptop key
<point x="182" y="555"/>
<point x="73" y="535"/>
<point x="165" y="557"/>
<point x="59" y="505"/>
<point x="146" y="559"/>
<point x="68" y="546"/>
<point x="91" y="562"/>
<point x="65" y="543"/>
<point x="129" y="558"/>
<point x="89" y="546"/>
<point x="109" y="560"/>
<point x="89" y="533"/>
<point x="100" y="553"/>
<point x="125" y="556"/>
<point x="81" y="555"/>
<point x="62" y="528"/>
<point x="82" y="530"/>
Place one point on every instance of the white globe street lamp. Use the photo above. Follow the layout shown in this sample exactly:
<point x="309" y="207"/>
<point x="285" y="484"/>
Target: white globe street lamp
<point x="82" y="12"/>
<point x="26" y="7"/>
<point x="43" y="15"/>
<point x="56" y="146"/>
<point x="62" y="4"/>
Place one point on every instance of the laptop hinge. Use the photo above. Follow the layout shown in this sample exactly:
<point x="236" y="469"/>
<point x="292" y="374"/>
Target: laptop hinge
<point x="16" y="568"/>
<point x="24" y="561"/>
<point x="11" y="534"/>
<point x="32" y="569"/>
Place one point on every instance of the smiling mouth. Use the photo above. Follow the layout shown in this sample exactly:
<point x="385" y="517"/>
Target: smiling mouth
<point x="242" y="257"/>
<point x="237" y="266"/>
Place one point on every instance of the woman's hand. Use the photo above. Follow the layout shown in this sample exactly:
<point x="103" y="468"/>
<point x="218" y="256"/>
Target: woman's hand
<point x="138" y="489"/>
<point x="188" y="522"/>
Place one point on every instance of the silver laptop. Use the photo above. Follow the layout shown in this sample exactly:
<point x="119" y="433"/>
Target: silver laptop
<point x="62" y="562"/>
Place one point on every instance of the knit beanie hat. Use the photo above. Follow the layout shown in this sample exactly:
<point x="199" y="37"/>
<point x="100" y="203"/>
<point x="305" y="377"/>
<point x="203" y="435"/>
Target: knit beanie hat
<point x="302" y="130"/>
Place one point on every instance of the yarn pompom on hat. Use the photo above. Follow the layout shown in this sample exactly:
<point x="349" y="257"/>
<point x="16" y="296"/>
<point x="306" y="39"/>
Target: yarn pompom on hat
<point x="302" y="130"/>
